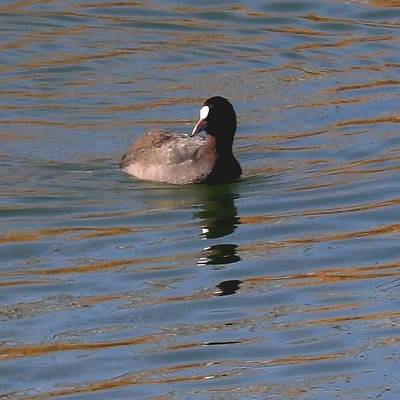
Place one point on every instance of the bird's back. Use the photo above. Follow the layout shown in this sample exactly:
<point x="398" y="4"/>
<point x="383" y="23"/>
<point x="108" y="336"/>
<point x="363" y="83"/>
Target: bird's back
<point x="166" y="157"/>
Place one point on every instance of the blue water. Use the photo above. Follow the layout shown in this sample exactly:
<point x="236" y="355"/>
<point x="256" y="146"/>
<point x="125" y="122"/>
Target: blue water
<point x="283" y="285"/>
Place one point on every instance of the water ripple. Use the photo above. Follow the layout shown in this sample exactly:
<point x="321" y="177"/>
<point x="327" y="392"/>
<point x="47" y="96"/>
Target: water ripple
<point x="281" y="285"/>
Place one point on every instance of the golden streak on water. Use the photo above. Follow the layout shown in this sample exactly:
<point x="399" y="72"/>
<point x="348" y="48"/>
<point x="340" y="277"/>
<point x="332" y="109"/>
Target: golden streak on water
<point x="41" y="234"/>
<point x="367" y="85"/>
<point x="153" y="376"/>
<point x="99" y="266"/>
<point x="342" y="236"/>
<point x="7" y="353"/>
<point x="329" y="276"/>
<point x="385" y="3"/>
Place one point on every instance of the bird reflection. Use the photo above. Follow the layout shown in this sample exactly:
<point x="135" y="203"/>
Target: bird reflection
<point x="219" y="212"/>
<point x="216" y="211"/>
<point x="219" y="216"/>
<point x="228" y="287"/>
<point x="219" y="254"/>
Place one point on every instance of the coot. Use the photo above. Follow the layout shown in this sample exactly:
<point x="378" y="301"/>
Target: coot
<point x="183" y="159"/>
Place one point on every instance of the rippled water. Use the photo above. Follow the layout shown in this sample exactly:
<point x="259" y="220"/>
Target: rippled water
<point x="283" y="285"/>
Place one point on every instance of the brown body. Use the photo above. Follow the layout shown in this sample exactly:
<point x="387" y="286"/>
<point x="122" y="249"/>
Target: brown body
<point x="171" y="158"/>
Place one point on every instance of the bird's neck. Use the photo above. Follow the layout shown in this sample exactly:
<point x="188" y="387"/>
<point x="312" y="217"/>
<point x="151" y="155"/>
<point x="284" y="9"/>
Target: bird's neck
<point x="223" y="147"/>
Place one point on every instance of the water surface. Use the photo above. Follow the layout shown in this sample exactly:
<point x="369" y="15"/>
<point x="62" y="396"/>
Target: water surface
<point x="283" y="285"/>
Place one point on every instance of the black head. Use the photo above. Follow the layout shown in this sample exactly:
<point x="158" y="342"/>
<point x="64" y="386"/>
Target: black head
<point x="217" y="118"/>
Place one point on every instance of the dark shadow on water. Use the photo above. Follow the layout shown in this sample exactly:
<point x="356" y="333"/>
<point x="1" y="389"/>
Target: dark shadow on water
<point x="219" y="213"/>
<point x="213" y="205"/>
<point x="228" y="287"/>
<point x="219" y="218"/>
<point x="219" y="254"/>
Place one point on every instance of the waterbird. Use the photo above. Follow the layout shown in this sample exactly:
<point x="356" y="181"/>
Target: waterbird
<point x="182" y="159"/>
